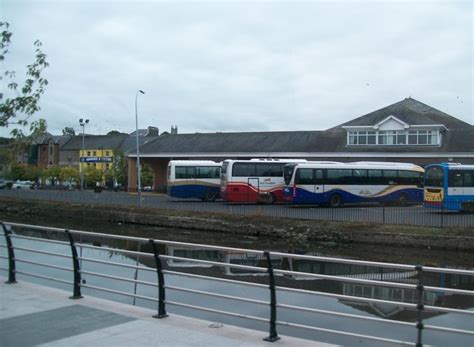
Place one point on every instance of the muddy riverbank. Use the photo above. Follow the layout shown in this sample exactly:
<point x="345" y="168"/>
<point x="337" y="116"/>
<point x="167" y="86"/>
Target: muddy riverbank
<point x="293" y="231"/>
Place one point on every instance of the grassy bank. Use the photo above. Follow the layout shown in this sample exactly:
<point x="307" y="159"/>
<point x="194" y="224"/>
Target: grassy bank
<point x="291" y="230"/>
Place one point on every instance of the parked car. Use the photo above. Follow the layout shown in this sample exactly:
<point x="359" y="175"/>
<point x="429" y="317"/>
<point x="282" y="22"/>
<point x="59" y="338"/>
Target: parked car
<point x="5" y="183"/>
<point x="69" y="185"/>
<point x="23" y="185"/>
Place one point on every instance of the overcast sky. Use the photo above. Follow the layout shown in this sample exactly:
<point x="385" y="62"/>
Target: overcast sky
<point x="241" y="66"/>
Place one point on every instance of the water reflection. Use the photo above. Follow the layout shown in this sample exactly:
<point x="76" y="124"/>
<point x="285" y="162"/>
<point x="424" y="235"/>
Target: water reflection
<point x="390" y="311"/>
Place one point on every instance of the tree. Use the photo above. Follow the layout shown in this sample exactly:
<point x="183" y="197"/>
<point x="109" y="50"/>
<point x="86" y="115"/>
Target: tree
<point x="146" y="175"/>
<point x="18" y="109"/>
<point x="52" y="173"/>
<point x="69" y="131"/>
<point x="32" y="173"/>
<point x="120" y="167"/>
<point x="92" y="175"/>
<point x="17" y="172"/>
<point x="7" y="156"/>
<point x="114" y="132"/>
<point x="69" y="175"/>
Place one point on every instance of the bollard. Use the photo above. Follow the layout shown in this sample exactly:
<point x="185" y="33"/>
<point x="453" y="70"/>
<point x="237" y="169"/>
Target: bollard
<point x="273" y="333"/>
<point x="11" y="256"/>
<point x="77" y="269"/>
<point x="161" y="283"/>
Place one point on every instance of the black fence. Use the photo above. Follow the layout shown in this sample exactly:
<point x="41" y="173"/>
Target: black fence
<point x="411" y="214"/>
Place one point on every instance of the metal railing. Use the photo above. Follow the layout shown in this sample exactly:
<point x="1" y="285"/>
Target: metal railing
<point x="74" y="240"/>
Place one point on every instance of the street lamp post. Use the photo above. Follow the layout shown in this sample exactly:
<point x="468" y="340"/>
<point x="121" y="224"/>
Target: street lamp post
<point x="139" y="184"/>
<point x="82" y="123"/>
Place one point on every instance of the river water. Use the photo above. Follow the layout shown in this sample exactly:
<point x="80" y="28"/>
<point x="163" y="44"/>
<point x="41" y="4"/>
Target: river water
<point x="366" y="252"/>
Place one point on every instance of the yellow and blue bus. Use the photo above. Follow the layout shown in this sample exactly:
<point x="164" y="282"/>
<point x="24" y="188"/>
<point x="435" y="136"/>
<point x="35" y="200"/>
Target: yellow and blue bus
<point x="449" y="186"/>
<point x="334" y="184"/>
<point x="194" y="179"/>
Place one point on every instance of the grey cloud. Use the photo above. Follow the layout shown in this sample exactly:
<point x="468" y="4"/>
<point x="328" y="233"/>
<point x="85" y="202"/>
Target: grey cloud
<point x="245" y="66"/>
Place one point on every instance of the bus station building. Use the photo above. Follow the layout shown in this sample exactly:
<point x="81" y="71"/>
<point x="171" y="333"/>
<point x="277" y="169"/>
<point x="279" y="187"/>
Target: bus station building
<point x="406" y="131"/>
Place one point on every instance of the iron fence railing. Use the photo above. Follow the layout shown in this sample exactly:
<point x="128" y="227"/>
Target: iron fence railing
<point x="415" y="215"/>
<point x="264" y="262"/>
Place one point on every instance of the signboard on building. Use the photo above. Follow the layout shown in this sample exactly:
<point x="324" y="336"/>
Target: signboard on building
<point x="96" y="159"/>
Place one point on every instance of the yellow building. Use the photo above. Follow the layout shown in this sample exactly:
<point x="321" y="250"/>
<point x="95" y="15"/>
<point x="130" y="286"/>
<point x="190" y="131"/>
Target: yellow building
<point x="101" y="159"/>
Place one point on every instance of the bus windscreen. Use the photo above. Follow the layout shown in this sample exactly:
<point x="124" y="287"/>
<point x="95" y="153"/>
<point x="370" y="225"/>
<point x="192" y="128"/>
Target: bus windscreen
<point x="434" y="177"/>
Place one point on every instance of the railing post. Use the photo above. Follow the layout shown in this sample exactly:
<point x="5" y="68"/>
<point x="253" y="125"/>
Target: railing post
<point x="273" y="310"/>
<point x="11" y="256"/>
<point x="77" y="269"/>
<point x="420" y="306"/>
<point x="161" y="283"/>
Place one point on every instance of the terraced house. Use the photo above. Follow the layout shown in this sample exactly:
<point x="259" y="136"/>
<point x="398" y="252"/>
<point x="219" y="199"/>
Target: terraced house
<point x="406" y="131"/>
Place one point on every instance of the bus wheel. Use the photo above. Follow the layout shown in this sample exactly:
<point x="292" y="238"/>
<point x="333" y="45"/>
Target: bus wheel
<point x="335" y="201"/>
<point x="209" y="196"/>
<point x="402" y="200"/>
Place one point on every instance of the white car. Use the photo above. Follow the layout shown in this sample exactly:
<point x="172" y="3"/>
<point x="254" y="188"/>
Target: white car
<point x="22" y="185"/>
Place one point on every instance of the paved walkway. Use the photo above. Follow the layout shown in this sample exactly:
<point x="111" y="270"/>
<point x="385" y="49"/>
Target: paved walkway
<point x="32" y="315"/>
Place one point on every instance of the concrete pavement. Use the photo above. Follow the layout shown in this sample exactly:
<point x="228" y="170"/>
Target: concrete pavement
<point x="32" y="315"/>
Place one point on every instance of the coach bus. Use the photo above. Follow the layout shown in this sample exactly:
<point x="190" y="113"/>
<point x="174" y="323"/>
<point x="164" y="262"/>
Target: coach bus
<point x="254" y="180"/>
<point x="449" y="186"/>
<point x="198" y="179"/>
<point x="335" y="184"/>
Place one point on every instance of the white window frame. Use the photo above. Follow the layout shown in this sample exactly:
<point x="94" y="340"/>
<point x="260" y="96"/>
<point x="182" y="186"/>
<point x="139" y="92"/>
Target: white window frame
<point x="355" y="135"/>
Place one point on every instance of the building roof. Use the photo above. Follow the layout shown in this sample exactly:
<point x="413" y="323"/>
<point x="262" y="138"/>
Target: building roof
<point x="458" y="138"/>
<point x="95" y="142"/>
<point x="61" y="139"/>
<point x="236" y="142"/>
<point x="410" y="111"/>
<point x="130" y="143"/>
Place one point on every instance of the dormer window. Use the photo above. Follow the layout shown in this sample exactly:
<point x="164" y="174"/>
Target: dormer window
<point x="394" y="137"/>
<point x="394" y="132"/>
<point x="362" y="138"/>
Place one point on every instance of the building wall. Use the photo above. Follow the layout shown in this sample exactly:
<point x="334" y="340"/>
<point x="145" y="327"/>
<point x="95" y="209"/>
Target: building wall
<point x="132" y="174"/>
<point x="69" y="158"/>
<point x="97" y="159"/>
<point x="160" y="168"/>
<point x="43" y="156"/>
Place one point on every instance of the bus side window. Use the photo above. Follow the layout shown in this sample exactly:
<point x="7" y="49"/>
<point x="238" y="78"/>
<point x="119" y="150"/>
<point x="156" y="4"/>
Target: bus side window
<point x="455" y="179"/>
<point x="304" y="176"/>
<point x="375" y="177"/>
<point x="244" y="170"/>
<point x="180" y="171"/>
<point x="469" y="179"/>
<point x="390" y="176"/>
<point x="190" y="172"/>
<point x="359" y="176"/>
<point x="318" y="176"/>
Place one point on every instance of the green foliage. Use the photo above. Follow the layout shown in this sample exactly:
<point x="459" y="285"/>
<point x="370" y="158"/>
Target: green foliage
<point x="119" y="169"/>
<point x="25" y="103"/>
<point x="7" y="157"/>
<point x="146" y="175"/>
<point x="33" y="173"/>
<point x="17" y="172"/>
<point x="52" y="173"/>
<point x="24" y="172"/>
<point x="69" y="131"/>
<point x="69" y="174"/>
<point x="92" y="175"/>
